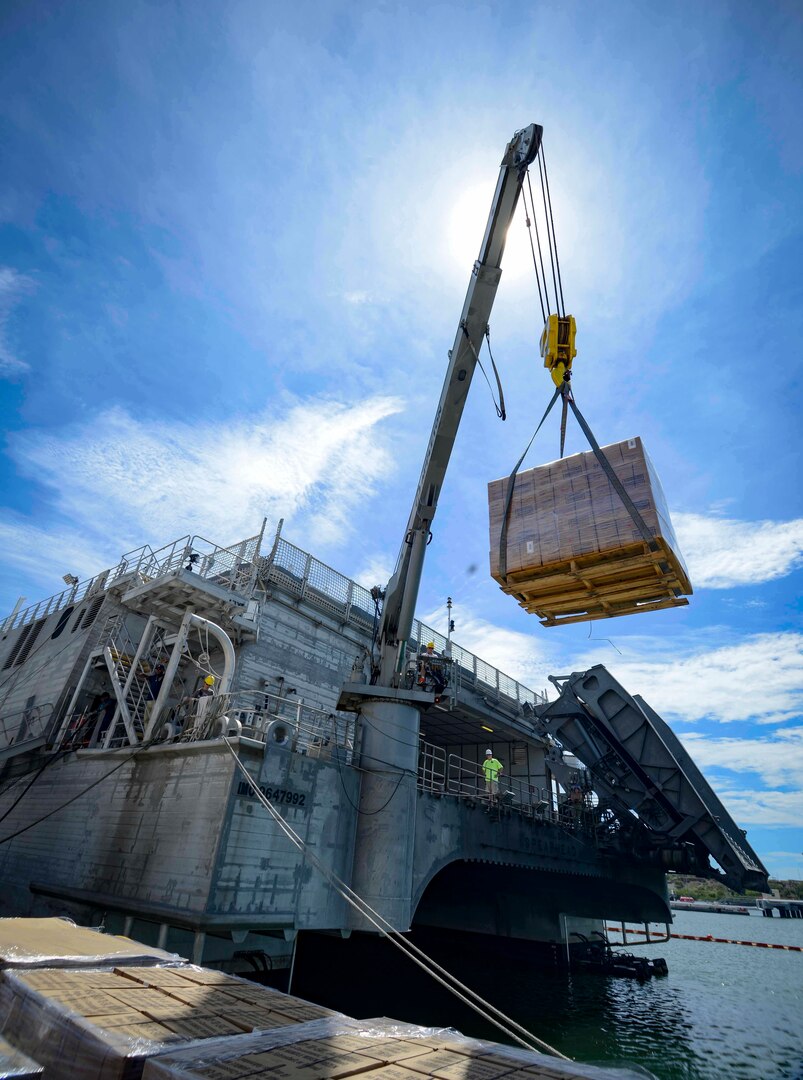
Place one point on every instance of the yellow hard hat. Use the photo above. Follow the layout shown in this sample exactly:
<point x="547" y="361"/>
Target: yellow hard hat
<point x="430" y="644"/>
<point x="210" y="680"/>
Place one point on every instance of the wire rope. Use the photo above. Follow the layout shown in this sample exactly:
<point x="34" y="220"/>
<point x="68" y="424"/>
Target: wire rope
<point x="552" y="224"/>
<point x="548" y="234"/>
<point x="450" y="982"/>
<point x="540" y="252"/>
<point x="528" y="221"/>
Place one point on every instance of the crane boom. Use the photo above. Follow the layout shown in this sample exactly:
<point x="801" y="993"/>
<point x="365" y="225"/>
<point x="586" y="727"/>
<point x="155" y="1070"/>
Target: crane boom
<point x="402" y="591"/>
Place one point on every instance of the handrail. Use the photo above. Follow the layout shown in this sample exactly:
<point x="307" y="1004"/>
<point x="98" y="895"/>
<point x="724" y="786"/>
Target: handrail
<point x="319" y="585"/>
<point x="462" y="778"/>
<point x="231" y="567"/>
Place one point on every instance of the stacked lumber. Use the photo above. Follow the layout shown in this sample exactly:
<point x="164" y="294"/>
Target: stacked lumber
<point x="573" y="552"/>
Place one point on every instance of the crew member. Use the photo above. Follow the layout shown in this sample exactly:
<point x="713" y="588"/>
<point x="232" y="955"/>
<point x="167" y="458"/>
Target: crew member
<point x="491" y="768"/>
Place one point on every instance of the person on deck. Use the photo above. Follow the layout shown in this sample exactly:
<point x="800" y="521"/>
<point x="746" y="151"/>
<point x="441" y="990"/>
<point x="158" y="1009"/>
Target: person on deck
<point x="491" y="768"/>
<point x="430" y="670"/>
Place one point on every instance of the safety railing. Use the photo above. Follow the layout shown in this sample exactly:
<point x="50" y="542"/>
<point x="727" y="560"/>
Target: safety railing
<point x="25" y="724"/>
<point x="232" y="568"/>
<point x="431" y="768"/>
<point x="267" y="718"/>
<point x="449" y="774"/>
<point x="305" y="577"/>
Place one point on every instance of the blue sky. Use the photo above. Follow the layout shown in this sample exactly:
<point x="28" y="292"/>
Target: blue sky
<point x="234" y="245"/>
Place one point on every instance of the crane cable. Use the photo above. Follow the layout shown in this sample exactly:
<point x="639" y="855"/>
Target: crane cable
<point x="469" y="997"/>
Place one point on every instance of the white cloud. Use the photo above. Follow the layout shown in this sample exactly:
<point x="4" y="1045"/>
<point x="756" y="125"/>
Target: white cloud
<point x="13" y="286"/>
<point x="45" y="554"/>
<point x="722" y="553"/>
<point x="777" y="759"/>
<point x="756" y="807"/>
<point x="519" y="655"/>
<point x="375" y="570"/>
<point x="123" y="481"/>
<point x="759" y="678"/>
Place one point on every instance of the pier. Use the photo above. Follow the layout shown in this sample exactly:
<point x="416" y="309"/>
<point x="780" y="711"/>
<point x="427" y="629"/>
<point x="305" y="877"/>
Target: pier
<point x="787" y="909"/>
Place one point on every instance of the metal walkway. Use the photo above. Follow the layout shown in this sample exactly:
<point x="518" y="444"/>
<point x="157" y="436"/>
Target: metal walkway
<point x="642" y="769"/>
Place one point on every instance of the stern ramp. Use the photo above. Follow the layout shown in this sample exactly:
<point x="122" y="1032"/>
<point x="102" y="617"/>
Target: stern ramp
<point x="643" y="772"/>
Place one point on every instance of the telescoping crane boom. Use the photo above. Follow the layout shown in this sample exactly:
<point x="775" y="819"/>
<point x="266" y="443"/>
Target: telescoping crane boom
<point x="402" y="591"/>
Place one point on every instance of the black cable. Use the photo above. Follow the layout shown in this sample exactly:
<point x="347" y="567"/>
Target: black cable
<point x="528" y="223"/>
<point x="554" y="237"/>
<point x="540" y="253"/>
<point x="362" y="813"/>
<point x="53" y="758"/>
<point x="548" y="234"/>
<point x="80" y="794"/>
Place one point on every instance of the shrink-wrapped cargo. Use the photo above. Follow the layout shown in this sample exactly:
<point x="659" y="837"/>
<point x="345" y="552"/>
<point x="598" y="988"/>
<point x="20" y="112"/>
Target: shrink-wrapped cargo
<point x="573" y="551"/>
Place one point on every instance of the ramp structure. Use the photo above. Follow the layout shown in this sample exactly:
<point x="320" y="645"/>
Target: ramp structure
<point x="648" y="779"/>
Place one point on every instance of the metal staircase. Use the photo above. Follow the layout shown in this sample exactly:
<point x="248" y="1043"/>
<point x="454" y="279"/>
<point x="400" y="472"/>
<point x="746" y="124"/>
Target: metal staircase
<point x="129" y="667"/>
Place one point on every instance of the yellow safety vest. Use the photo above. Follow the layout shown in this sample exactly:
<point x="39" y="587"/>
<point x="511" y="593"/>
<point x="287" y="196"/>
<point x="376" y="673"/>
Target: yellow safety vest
<point x="491" y="767"/>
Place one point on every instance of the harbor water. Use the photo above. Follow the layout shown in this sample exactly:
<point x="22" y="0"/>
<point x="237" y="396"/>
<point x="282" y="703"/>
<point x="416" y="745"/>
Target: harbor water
<point x="724" y="1011"/>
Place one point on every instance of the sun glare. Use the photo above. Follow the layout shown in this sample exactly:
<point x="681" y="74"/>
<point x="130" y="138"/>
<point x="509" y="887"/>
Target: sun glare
<point x="467" y="227"/>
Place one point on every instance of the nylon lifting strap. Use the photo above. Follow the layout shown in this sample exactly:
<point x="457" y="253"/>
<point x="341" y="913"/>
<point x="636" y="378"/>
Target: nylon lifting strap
<point x="510" y="484"/>
<point x="501" y="412"/>
<point x="616" y="483"/>
<point x="564" y="392"/>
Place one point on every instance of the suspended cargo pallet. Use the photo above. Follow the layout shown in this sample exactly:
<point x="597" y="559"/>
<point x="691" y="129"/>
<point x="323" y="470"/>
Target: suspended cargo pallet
<point x="600" y="586"/>
<point x="572" y="551"/>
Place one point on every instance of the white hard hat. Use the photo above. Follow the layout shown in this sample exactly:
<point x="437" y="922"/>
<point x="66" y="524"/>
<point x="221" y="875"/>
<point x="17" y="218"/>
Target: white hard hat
<point x="489" y="753"/>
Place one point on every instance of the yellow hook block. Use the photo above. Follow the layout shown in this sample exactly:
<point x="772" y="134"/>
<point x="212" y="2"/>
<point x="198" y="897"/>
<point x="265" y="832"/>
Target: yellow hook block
<point x="557" y="345"/>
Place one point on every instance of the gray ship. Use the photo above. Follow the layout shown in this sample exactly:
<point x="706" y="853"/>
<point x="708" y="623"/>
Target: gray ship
<point x="216" y="748"/>
<point x="137" y="813"/>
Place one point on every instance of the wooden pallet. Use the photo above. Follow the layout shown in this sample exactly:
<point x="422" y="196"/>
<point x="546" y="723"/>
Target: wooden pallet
<point x="622" y="581"/>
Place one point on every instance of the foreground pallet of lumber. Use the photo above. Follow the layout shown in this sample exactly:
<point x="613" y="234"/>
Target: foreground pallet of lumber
<point x="573" y="552"/>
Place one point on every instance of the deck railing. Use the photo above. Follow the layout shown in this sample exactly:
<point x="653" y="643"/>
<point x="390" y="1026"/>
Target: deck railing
<point x="232" y="568"/>
<point x="299" y="573"/>
<point x="450" y="774"/>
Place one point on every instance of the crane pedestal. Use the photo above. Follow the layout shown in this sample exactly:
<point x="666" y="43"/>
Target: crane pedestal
<point x="383" y="851"/>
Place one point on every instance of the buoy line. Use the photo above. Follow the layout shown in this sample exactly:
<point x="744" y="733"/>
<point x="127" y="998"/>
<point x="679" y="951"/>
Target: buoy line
<point x="710" y="937"/>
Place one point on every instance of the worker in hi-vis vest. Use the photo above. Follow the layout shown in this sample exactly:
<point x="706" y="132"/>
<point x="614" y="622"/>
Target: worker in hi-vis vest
<point x="491" y="768"/>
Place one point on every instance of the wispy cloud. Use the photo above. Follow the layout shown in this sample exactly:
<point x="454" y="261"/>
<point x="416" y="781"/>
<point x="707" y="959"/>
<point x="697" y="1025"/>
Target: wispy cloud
<point x="13" y="286"/>
<point x="122" y="481"/>
<point x="757" y="807"/>
<point x="757" y="679"/>
<point x="722" y="553"/>
<point x="777" y="759"/>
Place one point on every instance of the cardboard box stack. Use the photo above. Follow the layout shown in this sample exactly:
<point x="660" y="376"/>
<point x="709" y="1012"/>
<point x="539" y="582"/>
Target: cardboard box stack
<point x="573" y="551"/>
<point x="371" y="1050"/>
<point x="17" y="1066"/>
<point x="106" y="1019"/>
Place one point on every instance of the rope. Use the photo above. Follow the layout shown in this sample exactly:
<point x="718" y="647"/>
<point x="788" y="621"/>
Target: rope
<point x="465" y="994"/>
<point x="500" y="406"/>
<point x="540" y="253"/>
<point x="528" y="223"/>
<point x="552" y="224"/>
<point x="548" y="235"/>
